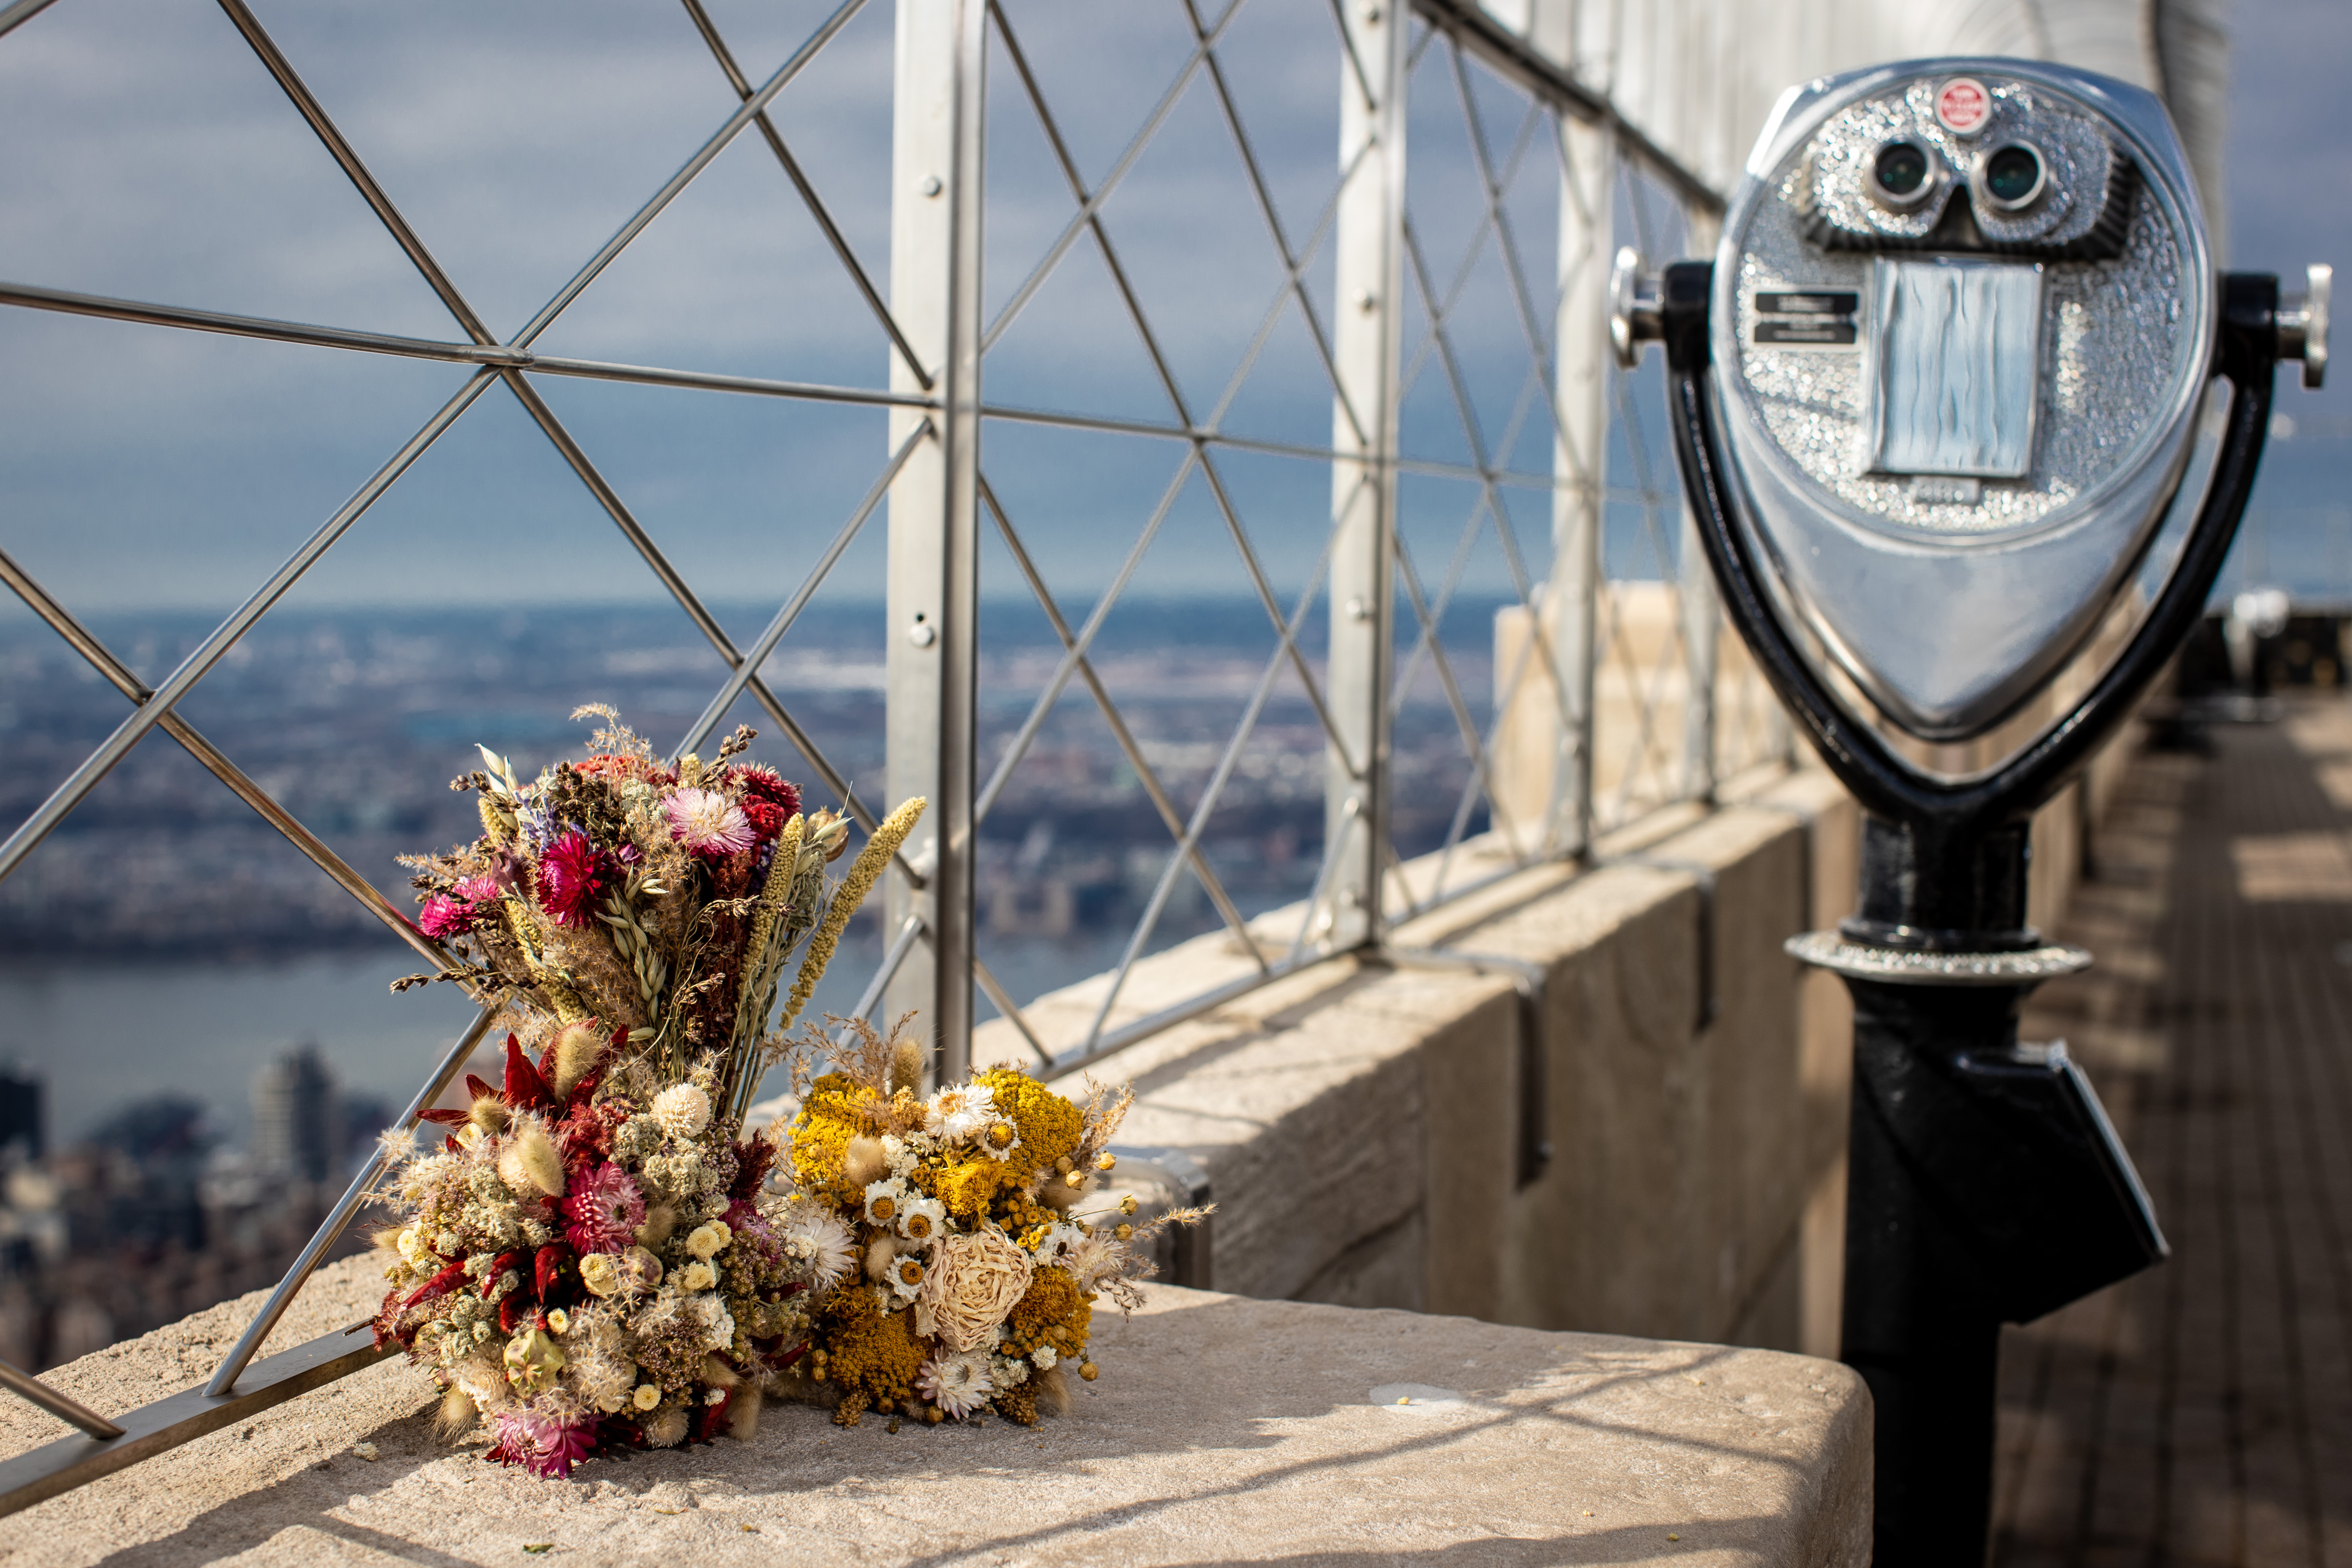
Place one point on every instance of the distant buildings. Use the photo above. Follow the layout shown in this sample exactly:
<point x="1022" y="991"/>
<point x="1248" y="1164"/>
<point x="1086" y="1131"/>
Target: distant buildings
<point x="146" y="1220"/>
<point x="297" y="1130"/>
<point x="20" y="1115"/>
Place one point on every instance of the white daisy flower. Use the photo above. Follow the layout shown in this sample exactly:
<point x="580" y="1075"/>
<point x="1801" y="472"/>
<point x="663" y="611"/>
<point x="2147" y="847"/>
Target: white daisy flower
<point x="955" y="1380"/>
<point x="1059" y="1242"/>
<point x="998" y="1137"/>
<point x="884" y="1200"/>
<point x="960" y="1112"/>
<point x="921" y="1219"/>
<point x="905" y="1277"/>
<point x="816" y="1235"/>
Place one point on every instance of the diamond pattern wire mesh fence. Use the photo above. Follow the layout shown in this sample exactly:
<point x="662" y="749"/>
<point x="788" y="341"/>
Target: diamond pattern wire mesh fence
<point x="1302" y="565"/>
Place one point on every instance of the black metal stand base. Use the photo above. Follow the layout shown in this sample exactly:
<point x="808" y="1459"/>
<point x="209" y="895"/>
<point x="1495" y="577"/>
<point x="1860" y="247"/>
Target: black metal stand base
<point x="1985" y="1186"/>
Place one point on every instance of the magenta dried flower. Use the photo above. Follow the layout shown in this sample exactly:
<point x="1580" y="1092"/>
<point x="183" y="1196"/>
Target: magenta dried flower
<point x="544" y="1446"/>
<point x="605" y="1210"/>
<point x="573" y="875"/>
<point x="442" y="917"/>
<point x="557" y="1446"/>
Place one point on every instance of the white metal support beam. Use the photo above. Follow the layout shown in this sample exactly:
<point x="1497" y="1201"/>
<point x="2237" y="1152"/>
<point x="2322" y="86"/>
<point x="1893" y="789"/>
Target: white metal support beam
<point x="934" y="554"/>
<point x="1366" y="345"/>
<point x="1571" y="621"/>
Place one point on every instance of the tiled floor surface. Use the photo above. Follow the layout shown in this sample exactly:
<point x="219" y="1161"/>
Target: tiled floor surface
<point x="2202" y="1412"/>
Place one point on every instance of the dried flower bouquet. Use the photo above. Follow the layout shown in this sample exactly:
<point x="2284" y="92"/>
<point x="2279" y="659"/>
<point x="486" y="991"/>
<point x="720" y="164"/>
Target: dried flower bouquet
<point x="951" y="1274"/>
<point x="598" y="1257"/>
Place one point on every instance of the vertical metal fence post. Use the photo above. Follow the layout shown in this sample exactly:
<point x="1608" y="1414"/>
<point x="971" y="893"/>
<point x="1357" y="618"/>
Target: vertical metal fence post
<point x="932" y="633"/>
<point x="1582" y="365"/>
<point x="1702" y="613"/>
<point x="1370" y="235"/>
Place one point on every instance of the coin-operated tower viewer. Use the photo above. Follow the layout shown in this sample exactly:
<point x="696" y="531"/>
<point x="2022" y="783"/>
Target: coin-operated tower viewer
<point x="1959" y="388"/>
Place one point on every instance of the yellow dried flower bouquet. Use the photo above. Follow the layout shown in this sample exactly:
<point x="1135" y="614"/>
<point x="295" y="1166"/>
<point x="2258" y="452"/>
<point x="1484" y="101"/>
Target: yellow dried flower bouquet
<point x="951" y="1273"/>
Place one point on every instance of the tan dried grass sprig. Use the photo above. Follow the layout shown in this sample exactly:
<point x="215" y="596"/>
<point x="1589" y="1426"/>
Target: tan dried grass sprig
<point x="1105" y="1111"/>
<point x="767" y="918"/>
<point x="862" y="873"/>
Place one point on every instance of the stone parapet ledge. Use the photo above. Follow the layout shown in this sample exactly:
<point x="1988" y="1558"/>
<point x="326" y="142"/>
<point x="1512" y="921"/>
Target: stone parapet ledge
<point x="1362" y="1123"/>
<point x="1221" y="1430"/>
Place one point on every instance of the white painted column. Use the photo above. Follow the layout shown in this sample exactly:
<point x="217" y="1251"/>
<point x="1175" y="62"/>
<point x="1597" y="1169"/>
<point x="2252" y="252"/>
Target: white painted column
<point x="1365" y="345"/>
<point x="1571" y="619"/>
<point x="937" y="116"/>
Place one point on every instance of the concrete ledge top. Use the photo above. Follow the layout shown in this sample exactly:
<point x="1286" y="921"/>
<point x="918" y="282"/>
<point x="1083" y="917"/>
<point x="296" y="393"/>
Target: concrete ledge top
<point x="1223" y="1429"/>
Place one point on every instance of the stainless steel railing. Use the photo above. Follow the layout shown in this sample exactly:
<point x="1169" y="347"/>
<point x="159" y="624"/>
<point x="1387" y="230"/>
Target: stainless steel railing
<point x="1446" y="285"/>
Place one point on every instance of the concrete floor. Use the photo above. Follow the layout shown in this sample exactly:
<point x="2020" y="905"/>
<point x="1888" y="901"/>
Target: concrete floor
<point x="2202" y="1412"/>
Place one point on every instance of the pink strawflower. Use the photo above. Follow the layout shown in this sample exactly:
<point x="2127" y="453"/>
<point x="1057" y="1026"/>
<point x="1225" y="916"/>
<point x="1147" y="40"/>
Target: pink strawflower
<point x="442" y="917"/>
<point x="572" y="876"/>
<point x="546" y="1448"/>
<point x="709" y="823"/>
<point x="459" y="910"/>
<point x="605" y="1210"/>
<point x="560" y="1445"/>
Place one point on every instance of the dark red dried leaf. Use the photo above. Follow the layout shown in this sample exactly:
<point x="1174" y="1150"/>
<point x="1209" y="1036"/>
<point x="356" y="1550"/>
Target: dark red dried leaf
<point x="555" y="1260"/>
<point x="526" y="1091"/>
<point x="499" y="1265"/>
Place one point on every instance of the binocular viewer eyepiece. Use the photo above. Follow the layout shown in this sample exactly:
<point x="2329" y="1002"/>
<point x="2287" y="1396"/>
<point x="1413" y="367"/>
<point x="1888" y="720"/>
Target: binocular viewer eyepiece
<point x="1905" y="172"/>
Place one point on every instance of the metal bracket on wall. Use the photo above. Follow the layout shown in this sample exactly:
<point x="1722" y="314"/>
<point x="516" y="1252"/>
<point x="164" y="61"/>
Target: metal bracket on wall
<point x="1528" y="978"/>
<point x="1808" y="824"/>
<point x="1710" y="1003"/>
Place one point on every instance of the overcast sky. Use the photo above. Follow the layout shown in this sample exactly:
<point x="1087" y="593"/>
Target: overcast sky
<point x="143" y="152"/>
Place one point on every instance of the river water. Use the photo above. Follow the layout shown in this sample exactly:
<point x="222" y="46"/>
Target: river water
<point x="102" y="1034"/>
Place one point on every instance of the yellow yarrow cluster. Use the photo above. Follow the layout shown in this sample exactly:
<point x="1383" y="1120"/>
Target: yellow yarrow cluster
<point x="1055" y="1313"/>
<point x="969" y="1186"/>
<point x="1050" y="1125"/>
<point x="866" y="1348"/>
<point x="833" y="1115"/>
